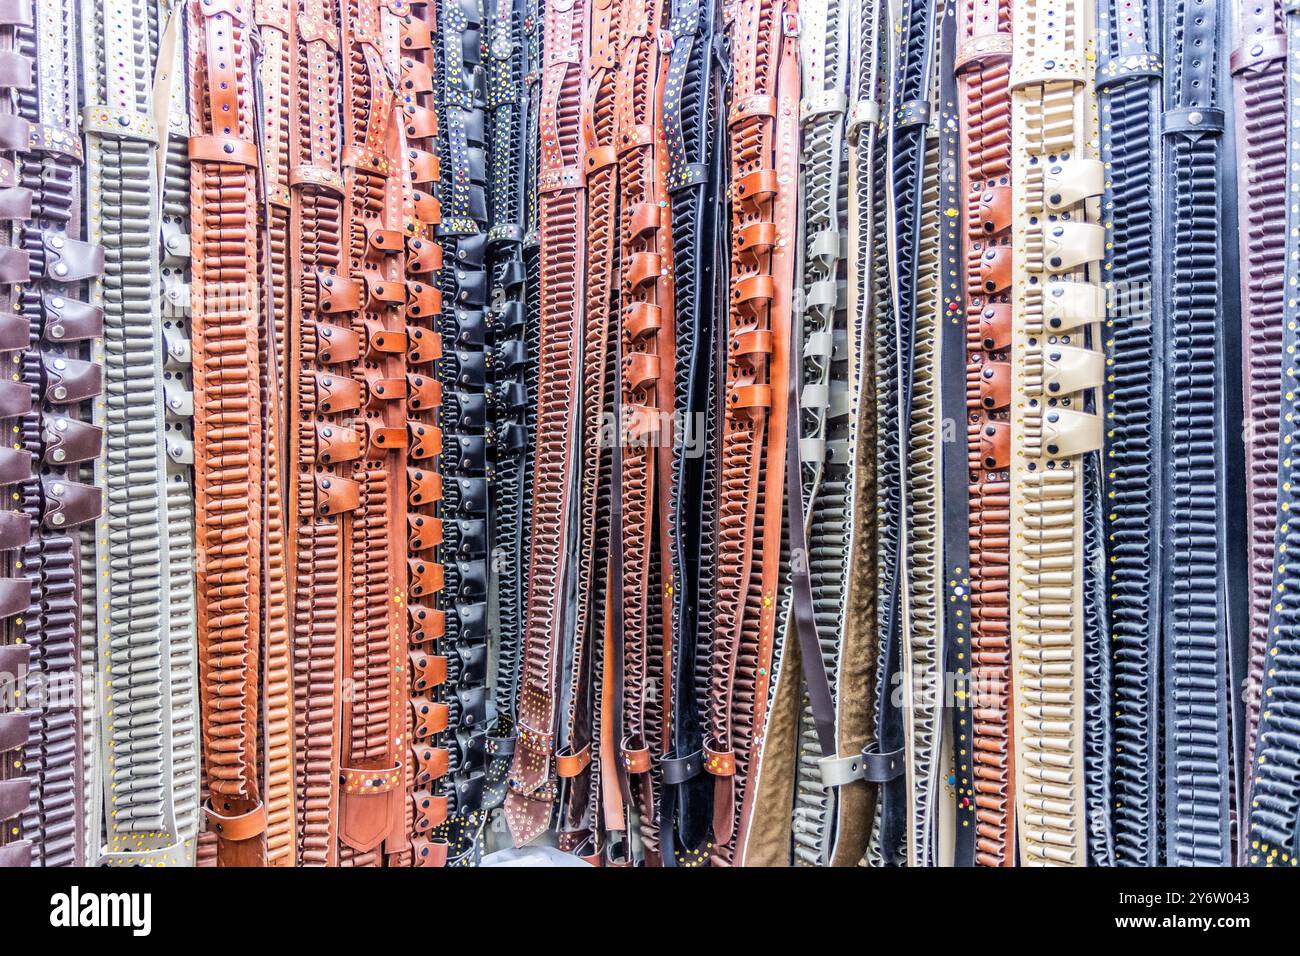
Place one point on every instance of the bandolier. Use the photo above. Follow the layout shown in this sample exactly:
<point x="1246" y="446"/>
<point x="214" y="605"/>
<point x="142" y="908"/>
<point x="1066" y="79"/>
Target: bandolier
<point x="507" y="105"/>
<point x="276" y="24"/>
<point x="145" y="786"/>
<point x="763" y="148"/>
<point x="463" y="371"/>
<point x="1056" y="420"/>
<point x="371" y="747"/>
<point x="46" y="322"/>
<point x="691" y="98"/>
<point x="1203" y="634"/>
<point x="1129" y="97"/>
<point x="563" y="255"/>
<point x="427" y="760"/>
<point x="228" y="424"/>
<point x="594" y="820"/>
<point x="1274" y="808"/>
<point x="906" y="753"/>
<point x="646" y="375"/>
<point x="983" y="67"/>
<point x="1260" y="93"/>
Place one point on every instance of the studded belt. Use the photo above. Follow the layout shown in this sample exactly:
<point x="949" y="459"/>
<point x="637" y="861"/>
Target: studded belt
<point x="1260" y="91"/>
<point x="1056" y="423"/>
<point x="143" y="771"/>
<point x="1273" y="804"/>
<point x="43" y="269"/>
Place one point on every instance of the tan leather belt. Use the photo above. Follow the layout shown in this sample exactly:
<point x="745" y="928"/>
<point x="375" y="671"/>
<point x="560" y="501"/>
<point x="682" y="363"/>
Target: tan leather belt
<point x="1056" y="419"/>
<point x="763" y="121"/>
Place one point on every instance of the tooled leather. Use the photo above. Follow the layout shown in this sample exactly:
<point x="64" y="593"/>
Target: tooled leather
<point x="1056" y="424"/>
<point x="561" y="221"/>
<point x="145" y="793"/>
<point x="227" y="432"/>
<point x="428" y="759"/>
<point x="983" y="65"/>
<point x="763" y="124"/>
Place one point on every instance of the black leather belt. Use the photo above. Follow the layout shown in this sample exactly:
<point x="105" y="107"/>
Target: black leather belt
<point x="464" y="462"/>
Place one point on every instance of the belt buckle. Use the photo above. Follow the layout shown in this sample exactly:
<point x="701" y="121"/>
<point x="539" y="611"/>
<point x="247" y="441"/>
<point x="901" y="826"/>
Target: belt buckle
<point x="665" y="41"/>
<point x="790" y="23"/>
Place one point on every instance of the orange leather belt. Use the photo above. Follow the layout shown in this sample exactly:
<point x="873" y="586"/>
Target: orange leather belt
<point x="763" y="122"/>
<point x="426" y="803"/>
<point x="228" y="437"/>
<point x="983" y="65"/>
<point x="562" y="282"/>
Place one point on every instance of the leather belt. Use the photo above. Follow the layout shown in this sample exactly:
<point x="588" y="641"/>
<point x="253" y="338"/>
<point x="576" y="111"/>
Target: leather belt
<point x="763" y="124"/>
<point x="1056" y="422"/>
<point x="906" y="824"/>
<point x="45" y="265"/>
<point x="463" y="371"/>
<point x="691" y="100"/>
<point x="144" y="790"/>
<point x="1274" y="805"/>
<point x="647" y="385"/>
<point x="275" y="20"/>
<point x="983" y="68"/>
<point x="1128" y="92"/>
<point x="507" y="104"/>
<point x="593" y="822"/>
<point x="228" y="422"/>
<point x="429" y="754"/>
<point x="561" y="227"/>
<point x="1202" y="714"/>
<point x="1258" y="63"/>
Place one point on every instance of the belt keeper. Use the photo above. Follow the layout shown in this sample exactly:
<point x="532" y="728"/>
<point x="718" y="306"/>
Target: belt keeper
<point x="720" y="763"/>
<point x="236" y="826"/>
<point x="838" y="771"/>
<point x="862" y="113"/>
<point x="500" y="746"/>
<point x="1116" y="71"/>
<point x="223" y="149"/>
<point x="678" y="770"/>
<point x="1192" y="121"/>
<point x="108" y="121"/>
<point x="912" y="113"/>
<point x="881" y="767"/>
<point x="570" y="764"/>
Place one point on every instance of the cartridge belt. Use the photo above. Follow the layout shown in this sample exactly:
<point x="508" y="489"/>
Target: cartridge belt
<point x="561" y="228"/>
<point x="1056" y="422"/>
<point x="144" y="789"/>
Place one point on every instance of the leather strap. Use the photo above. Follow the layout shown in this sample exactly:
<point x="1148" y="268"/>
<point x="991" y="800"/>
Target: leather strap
<point x="983" y="65"/>
<point x="228" y="427"/>
<point x="763" y="125"/>
<point x="145" y="798"/>
<point x="1056" y="425"/>
<point x="562" y="282"/>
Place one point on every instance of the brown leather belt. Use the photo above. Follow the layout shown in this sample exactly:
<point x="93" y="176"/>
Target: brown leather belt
<point x="562" y="229"/>
<point x="983" y="64"/>
<point x="426" y="804"/>
<point x="763" y="121"/>
<point x="228" y="426"/>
